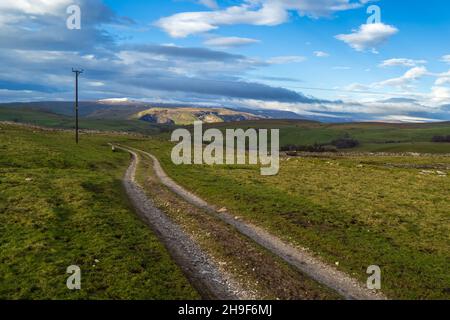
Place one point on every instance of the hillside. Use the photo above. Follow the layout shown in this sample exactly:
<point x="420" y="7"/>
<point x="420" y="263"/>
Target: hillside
<point x="372" y="137"/>
<point x="102" y="109"/>
<point x="53" y="120"/>
<point x="64" y="205"/>
<point x="187" y="116"/>
<point x="124" y="109"/>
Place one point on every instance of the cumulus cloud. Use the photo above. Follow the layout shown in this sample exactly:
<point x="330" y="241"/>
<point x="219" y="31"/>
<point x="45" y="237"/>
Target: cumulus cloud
<point x="229" y="42"/>
<point x="41" y="25"/>
<point x="409" y="77"/>
<point x="440" y="95"/>
<point x="252" y="12"/>
<point x="35" y="7"/>
<point x="368" y="36"/>
<point x="184" y="24"/>
<point x="406" y="81"/>
<point x="402" y="62"/>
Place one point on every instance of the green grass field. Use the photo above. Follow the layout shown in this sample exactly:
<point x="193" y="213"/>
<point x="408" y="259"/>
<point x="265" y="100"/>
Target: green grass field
<point x="357" y="210"/>
<point x="354" y="210"/>
<point x="374" y="137"/>
<point x="52" y="120"/>
<point x="63" y="205"/>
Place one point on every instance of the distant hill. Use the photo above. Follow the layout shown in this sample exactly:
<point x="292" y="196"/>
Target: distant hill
<point x="118" y="116"/>
<point x="187" y="116"/>
<point x="101" y="109"/>
<point x="158" y="113"/>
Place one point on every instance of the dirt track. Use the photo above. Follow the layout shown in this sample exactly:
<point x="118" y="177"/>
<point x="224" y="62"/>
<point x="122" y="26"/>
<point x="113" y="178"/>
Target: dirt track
<point x="304" y="261"/>
<point x="203" y="274"/>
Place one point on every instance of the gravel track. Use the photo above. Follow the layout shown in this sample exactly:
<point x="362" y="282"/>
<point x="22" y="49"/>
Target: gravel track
<point x="328" y="275"/>
<point x="202" y="272"/>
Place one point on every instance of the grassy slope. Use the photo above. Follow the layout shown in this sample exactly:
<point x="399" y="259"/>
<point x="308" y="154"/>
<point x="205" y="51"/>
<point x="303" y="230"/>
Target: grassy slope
<point x="48" y="119"/>
<point x="345" y="206"/>
<point x="359" y="216"/>
<point x="373" y="136"/>
<point x="63" y="205"/>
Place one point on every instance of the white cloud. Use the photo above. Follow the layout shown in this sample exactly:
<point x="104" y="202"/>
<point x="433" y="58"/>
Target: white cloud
<point x="368" y="36"/>
<point x="22" y="11"/>
<point x="35" y="7"/>
<point x="187" y="23"/>
<point x="41" y="24"/>
<point x="440" y="95"/>
<point x="403" y="82"/>
<point x="227" y="42"/>
<point x="443" y="78"/>
<point x="446" y="58"/>
<point x="286" y="59"/>
<point x="252" y="12"/>
<point x="321" y="54"/>
<point x="402" y="62"/>
<point x="409" y="77"/>
<point x="397" y="110"/>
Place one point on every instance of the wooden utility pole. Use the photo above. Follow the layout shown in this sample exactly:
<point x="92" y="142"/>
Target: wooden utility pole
<point x="77" y="74"/>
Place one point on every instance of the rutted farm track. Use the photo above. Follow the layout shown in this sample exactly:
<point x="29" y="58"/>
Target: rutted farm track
<point x="265" y="266"/>
<point x="194" y="262"/>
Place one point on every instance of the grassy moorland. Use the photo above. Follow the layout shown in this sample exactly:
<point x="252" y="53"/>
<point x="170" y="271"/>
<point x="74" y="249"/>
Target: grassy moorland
<point x="63" y="205"/>
<point x="354" y="211"/>
<point x="52" y="120"/>
<point x="373" y="137"/>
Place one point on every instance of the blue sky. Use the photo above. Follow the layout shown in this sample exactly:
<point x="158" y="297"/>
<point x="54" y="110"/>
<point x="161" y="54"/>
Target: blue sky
<point x="313" y="57"/>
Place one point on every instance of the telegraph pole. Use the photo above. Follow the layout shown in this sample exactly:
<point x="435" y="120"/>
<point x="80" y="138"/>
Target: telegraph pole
<point x="77" y="74"/>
